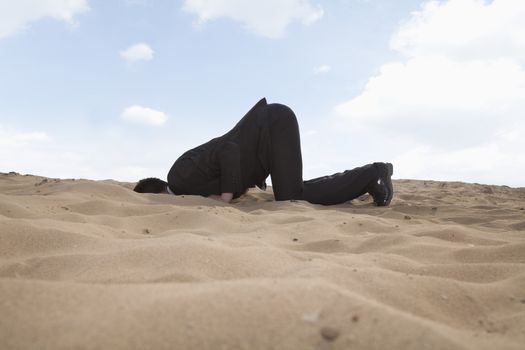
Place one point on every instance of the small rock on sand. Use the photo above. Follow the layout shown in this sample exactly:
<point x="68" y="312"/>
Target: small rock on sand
<point x="329" y="333"/>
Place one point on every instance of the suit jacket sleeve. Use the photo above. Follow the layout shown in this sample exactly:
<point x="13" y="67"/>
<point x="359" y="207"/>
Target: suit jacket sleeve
<point x="230" y="165"/>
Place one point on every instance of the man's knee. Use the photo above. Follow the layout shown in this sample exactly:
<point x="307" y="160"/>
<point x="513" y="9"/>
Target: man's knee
<point x="282" y="113"/>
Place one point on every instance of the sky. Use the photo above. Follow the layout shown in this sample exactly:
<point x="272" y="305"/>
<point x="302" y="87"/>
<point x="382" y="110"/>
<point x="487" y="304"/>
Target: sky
<point x="119" y="89"/>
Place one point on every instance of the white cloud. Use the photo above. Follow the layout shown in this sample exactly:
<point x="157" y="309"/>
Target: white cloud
<point x="267" y="18"/>
<point x="137" y="52"/>
<point x="144" y="115"/>
<point x="324" y="68"/>
<point x="16" y="15"/>
<point x="497" y="161"/>
<point x="9" y="137"/>
<point x="464" y="29"/>
<point x="461" y="84"/>
<point x="436" y="89"/>
<point x="72" y="154"/>
<point x="22" y="151"/>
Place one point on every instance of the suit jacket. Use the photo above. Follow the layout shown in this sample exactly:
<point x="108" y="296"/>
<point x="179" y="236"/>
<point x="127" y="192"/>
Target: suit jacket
<point x="232" y="162"/>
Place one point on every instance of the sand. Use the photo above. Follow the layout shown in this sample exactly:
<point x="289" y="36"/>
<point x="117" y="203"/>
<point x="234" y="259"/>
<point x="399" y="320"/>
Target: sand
<point x="93" y="265"/>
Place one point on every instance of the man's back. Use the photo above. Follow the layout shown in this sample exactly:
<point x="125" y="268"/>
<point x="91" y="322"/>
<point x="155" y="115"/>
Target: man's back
<point x="232" y="162"/>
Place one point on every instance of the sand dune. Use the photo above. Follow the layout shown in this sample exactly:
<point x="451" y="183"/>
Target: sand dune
<point x="91" y="264"/>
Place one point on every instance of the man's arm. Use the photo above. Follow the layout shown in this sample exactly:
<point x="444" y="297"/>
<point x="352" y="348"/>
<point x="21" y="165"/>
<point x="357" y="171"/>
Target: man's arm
<point x="230" y="164"/>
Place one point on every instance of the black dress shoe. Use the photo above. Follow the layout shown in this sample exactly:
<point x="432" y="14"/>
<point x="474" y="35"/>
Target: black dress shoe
<point x="382" y="190"/>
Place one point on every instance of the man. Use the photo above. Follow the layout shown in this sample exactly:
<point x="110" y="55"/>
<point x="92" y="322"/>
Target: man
<point x="266" y="142"/>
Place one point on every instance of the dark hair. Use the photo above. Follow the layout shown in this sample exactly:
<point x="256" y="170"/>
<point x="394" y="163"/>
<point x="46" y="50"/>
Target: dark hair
<point x="151" y="185"/>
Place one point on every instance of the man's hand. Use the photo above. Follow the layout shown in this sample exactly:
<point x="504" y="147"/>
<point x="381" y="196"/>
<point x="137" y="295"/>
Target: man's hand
<point x="224" y="197"/>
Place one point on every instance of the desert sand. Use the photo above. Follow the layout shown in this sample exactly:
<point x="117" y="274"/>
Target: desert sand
<point x="93" y="265"/>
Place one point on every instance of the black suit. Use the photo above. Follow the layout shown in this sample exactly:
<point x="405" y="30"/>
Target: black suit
<point x="265" y="141"/>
